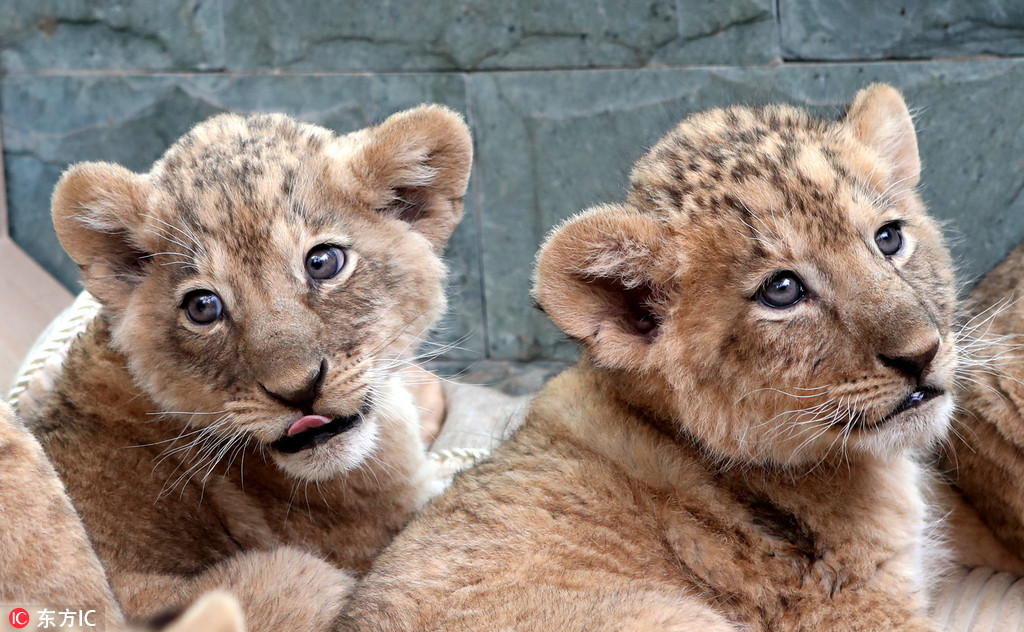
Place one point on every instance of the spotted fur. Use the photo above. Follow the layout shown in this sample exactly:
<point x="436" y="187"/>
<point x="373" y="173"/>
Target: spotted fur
<point x="167" y="432"/>
<point x="714" y="463"/>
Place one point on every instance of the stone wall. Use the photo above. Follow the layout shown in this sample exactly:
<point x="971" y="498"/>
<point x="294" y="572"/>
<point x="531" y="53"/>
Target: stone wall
<point x="562" y="97"/>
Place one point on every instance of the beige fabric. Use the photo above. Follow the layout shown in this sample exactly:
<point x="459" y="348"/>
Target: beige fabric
<point x="478" y="419"/>
<point x="980" y="600"/>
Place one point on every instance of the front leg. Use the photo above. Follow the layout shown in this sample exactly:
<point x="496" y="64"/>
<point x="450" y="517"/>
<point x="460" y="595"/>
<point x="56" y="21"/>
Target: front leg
<point x="281" y="589"/>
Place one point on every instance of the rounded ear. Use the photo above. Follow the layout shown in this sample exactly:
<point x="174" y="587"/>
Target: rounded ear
<point x="415" y="166"/>
<point x="879" y="118"/>
<point x="595" y="280"/>
<point x="97" y="207"/>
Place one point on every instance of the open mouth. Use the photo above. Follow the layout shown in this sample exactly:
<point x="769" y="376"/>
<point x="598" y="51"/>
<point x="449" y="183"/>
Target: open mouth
<point x="312" y="430"/>
<point x="917" y="398"/>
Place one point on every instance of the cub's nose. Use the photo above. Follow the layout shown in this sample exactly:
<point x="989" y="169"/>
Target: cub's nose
<point x="303" y="396"/>
<point x="913" y="364"/>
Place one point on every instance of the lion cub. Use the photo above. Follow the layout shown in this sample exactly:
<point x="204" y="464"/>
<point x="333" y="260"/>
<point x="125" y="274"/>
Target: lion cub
<point x="766" y="332"/>
<point x="236" y="418"/>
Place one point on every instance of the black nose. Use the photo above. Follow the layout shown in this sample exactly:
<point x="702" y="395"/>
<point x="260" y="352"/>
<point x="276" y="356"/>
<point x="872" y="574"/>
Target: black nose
<point x="304" y="396"/>
<point x="912" y="365"/>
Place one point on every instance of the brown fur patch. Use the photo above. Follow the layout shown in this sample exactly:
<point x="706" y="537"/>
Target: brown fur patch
<point x="45" y="556"/>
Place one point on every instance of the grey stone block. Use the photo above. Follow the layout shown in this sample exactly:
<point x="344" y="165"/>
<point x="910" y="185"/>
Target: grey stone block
<point x="110" y="34"/>
<point x="876" y="29"/>
<point x="552" y="143"/>
<point x="49" y="122"/>
<point x="449" y="35"/>
<point x="510" y="378"/>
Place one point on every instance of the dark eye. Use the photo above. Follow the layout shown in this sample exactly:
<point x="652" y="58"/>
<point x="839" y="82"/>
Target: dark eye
<point x="203" y="307"/>
<point x="782" y="290"/>
<point x="889" y="239"/>
<point x="323" y="262"/>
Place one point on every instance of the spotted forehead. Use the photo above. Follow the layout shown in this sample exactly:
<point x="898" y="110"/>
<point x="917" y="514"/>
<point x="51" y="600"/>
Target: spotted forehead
<point x="233" y="175"/>
<point x="768" y="169"/>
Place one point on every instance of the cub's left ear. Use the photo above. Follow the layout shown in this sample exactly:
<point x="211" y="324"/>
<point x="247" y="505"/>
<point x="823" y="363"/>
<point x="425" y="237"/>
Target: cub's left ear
<point x="879" y="118"/>
<point x="415" y="166"/>
<point x="596" y="279"/>
<point x="98" y="210"/>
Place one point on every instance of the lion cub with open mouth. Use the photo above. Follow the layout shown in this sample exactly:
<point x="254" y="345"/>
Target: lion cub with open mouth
<point x="766" y="331"/>
<point x="236" y="418"/>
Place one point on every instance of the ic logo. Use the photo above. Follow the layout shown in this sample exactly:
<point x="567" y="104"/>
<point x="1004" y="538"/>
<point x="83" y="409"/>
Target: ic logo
<point x="18" y="618"/>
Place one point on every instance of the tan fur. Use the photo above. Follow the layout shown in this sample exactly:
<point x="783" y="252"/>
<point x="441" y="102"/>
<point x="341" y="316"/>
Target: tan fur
<point x="986" y="457"/>
<point x="45" y="557"/>
<point x="969" y="538"/>
<point x="165" y="430"/>
<point x="713" y="462"/>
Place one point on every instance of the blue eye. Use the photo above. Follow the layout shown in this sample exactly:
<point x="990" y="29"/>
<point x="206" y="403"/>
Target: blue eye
<point x="889" y="239"/>
<point x="782" y="290"/>
<point x="203" y="307"/>
<point x="324" y="262"/>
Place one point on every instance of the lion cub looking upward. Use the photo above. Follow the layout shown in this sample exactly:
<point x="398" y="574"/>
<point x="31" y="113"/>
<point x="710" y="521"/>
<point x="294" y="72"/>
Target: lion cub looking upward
<point x="236" y="418"/>
<point x="766" y="331"/>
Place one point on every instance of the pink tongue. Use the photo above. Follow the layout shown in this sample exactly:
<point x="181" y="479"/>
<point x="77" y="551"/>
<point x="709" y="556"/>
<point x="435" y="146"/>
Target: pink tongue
<point x="307" y="422"/>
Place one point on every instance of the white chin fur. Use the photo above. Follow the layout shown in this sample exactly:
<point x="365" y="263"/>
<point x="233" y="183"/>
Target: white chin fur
<point x="340" y="454"/>
<point x="345" y="452"/>
<point x="916" y="430"/>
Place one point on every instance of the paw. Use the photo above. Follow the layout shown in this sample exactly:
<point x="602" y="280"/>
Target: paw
<point x="214" y="612"/>
<point x="284" y="588"/>
<point x="428" y="396"/>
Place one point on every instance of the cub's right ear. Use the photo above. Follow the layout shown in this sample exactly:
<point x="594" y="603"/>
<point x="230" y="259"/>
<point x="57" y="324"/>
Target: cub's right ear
<point x="597" y="279"/>
<point x="879" y="118"/>
<point x="97" y="211"/>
